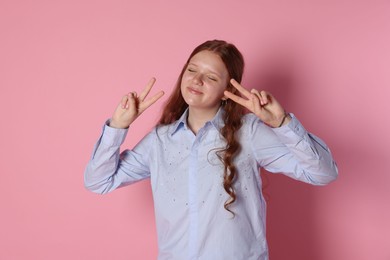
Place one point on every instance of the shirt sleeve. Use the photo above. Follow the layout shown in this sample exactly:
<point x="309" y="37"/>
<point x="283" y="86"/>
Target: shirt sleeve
<point x="293" y="151"/>
<point x="108" y="169"/>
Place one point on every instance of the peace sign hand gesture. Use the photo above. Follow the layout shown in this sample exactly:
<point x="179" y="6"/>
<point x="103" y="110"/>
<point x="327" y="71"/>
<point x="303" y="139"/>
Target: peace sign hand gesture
<point x="262" y="104"/>
<point x="132" y="105"/>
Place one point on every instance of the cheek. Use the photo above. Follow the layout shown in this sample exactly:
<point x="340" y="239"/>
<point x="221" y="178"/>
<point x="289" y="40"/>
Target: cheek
<point x="223" y="87"/>
<point x="184" y="78"/>
<point x="217" y="90"/>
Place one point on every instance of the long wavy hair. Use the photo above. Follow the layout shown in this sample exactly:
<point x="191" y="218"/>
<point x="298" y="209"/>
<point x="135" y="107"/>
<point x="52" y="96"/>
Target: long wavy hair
<point x="175" y="107"/>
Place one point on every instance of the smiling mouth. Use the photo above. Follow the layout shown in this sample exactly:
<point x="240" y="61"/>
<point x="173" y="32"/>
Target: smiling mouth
<point x="194" y="91"/>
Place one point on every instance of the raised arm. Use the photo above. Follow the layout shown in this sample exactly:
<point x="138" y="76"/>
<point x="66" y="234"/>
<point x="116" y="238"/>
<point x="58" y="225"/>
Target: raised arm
<point x="290" y="149"/>
<point x="107" y="168"/>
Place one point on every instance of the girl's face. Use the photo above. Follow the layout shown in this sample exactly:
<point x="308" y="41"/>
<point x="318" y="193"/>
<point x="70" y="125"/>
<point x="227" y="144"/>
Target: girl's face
<point x="204" y="81"/>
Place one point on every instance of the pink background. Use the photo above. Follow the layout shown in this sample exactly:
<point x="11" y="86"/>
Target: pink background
<point x="65" y="64"/>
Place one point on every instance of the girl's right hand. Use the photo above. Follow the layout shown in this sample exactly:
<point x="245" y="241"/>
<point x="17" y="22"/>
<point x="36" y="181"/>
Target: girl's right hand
<point x="132" y="105"/>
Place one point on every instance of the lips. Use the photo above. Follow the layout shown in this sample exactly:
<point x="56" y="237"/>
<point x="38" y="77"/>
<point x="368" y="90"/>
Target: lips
<point x="194" y="91"/>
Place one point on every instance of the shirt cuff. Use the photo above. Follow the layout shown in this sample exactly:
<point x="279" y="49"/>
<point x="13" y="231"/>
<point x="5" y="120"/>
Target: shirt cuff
<point x="291" y="132"/>
<point x="113" y="136"/>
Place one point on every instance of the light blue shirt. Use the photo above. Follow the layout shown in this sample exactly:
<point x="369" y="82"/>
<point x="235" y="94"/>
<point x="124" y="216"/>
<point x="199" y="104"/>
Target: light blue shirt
<point x="186" y="178"/>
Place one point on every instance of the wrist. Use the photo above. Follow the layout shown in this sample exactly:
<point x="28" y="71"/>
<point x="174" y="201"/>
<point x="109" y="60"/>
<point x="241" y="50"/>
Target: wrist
<point x="114" y="124"/>
<point x="285" y="120"/>
<point x="279" y="121"/>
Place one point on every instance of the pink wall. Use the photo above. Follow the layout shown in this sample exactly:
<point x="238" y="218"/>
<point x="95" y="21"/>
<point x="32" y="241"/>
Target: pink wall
<point x="64" y="64"/>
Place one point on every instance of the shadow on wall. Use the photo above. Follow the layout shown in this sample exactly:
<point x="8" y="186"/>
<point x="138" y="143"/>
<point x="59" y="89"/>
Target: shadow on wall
<point x="291" y="231"/>
<point x="291" y="227"/>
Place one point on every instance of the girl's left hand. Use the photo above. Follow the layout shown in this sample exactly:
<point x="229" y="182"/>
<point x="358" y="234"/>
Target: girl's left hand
<point x="262" y="104"/>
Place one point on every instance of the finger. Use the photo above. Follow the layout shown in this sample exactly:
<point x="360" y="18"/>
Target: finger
<point x="237" y="99"/>
<point x="147" y="89"/>
<point x="125" y="99"/>
<point x="262" y="95"/>
<point x="256" y="103"/>
<point x="240" y="88"/>
<point x="257" y="94"/>
<point x="264" y="98"/>
<point x="123" y="102"/>
<point x="147" y="103"/>
<point x="131" y="100"/>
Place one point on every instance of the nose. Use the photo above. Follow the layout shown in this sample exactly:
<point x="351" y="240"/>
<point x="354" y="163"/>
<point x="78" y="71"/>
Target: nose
<point x="198" y="79"/>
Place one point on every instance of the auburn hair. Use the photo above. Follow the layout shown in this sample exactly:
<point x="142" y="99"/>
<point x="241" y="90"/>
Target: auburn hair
<point x="175" y="107"/>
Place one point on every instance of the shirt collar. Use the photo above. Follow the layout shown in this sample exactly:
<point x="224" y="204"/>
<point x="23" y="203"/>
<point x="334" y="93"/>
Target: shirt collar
<point x="180" y="123"/>
<point x="217" y="121"/>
